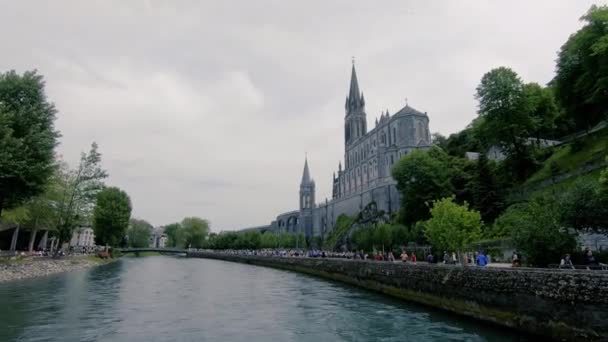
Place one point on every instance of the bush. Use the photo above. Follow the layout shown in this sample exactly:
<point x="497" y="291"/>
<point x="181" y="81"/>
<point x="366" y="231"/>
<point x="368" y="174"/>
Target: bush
<point x="537" y="231"/>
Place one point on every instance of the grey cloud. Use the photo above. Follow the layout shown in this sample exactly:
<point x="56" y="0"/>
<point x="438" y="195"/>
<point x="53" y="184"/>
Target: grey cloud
<point x="206" y="108"/>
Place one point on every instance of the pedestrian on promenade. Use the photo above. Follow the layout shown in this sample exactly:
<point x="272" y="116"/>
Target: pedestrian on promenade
<point x="515" y="261"/>
<point x="391" y="256"/>
<point x="413" y="257"/>
<point x="446" y="257"/>
<point x="589" y="258"/>
<point x="430" y="258"/>
<point x="566" y="262"/>
<point x="481" y="260"/>
<point x="404" y="256"/>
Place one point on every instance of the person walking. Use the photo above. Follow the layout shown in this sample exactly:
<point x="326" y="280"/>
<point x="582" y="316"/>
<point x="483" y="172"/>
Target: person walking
<point x="404" y="256"/>
<point x="482" y="260"/>
<point x="515" y="262"/>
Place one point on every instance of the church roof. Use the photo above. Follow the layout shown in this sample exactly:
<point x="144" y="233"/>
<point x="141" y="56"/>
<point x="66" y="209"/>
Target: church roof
<point x="407" y="110"/>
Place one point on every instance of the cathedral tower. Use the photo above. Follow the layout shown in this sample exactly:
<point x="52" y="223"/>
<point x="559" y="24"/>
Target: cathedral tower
<point x="307" y="201"/>
<point x="355" y="122"/>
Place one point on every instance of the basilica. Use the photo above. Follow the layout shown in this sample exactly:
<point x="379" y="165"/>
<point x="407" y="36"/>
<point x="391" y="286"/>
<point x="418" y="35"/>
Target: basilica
<point x="365" y="177"/>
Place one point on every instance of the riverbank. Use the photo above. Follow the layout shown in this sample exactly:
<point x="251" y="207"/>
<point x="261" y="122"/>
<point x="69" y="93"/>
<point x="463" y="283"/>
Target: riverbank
<point x="33" y="267"/>
<point x="558" y="304"/>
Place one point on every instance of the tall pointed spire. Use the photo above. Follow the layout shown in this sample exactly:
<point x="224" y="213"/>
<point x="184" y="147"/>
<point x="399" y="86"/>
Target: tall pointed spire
<point x="306" y="174"/>
<point x="354" y="96"/>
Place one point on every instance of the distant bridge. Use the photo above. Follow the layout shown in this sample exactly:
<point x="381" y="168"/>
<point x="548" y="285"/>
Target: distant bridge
<point x="152" y="249"/>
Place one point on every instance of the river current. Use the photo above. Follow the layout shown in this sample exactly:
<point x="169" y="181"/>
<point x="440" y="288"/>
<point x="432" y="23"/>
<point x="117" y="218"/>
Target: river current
<point x="179" y="299"/>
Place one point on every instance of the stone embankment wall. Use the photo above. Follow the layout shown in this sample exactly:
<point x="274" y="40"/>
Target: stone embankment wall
<point x="560" y="304"/>
<point x="38" y="267"/>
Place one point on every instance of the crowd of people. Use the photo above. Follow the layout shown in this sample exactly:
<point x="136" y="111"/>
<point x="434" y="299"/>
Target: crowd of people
<point x="478" y="258"/>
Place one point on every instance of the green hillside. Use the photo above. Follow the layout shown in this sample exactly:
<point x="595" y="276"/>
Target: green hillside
<point x="570" y="157"/>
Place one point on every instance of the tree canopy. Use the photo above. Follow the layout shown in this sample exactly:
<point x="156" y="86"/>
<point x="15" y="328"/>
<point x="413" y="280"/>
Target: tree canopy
<point x="581" y="78"/>
<point x="27" y="137"/>
<point x="422" y="176"/>
<point x="139" y="233"/>
<point x="111" y="216"/>
<point x="195" y="231"/>
<point x="452" y="227"/>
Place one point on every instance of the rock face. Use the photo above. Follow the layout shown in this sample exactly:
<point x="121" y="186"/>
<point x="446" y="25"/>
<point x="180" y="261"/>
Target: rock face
<point x="30" y="268"/>
<point x="558" y="304"/>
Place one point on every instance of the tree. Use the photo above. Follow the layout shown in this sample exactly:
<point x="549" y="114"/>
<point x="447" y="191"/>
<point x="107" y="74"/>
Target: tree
<point x="537" y="231"/>
<point x="27" y="137"/>
<point x="507" y="122"/>
<point x="139" y="233"/>
<point x="452" y="227"/>
<point x="422" y="176"/>
<point x="195" y="231"/>
<point x="362" y="238"/>
<point x="581" y="78"/>
<point x="78" y="191"/>
<point x="542" y="108"/>
<point x="175" y="235"/>
<point x="111" y="216"/>
<point x="584" y="207"/>
<point x="269" y="240"/>
<point x="487" y="197"/>
<point x="382" y="236"/>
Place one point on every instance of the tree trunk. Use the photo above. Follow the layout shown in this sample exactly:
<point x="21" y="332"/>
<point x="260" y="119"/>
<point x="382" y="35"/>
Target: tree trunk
<point x="14" y="239"/>
<point x="44" y="239"/>
<point x="32" y="240"/>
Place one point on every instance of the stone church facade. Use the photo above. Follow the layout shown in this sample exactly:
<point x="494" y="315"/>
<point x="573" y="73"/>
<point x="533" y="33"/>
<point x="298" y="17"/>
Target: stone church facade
<point x="366" y="175"/>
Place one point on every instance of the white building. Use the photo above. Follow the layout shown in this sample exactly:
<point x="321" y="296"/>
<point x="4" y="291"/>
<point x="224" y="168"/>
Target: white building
<point x="83" y="237"/>
<point x="158" y="238"/>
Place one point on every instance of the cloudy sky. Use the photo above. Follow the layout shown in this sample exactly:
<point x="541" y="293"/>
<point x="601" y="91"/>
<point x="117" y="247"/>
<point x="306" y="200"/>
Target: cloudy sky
<point x="206" y="108"/>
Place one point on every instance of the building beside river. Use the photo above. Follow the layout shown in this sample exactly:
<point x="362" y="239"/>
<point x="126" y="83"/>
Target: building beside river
<point x="366" y="177"/>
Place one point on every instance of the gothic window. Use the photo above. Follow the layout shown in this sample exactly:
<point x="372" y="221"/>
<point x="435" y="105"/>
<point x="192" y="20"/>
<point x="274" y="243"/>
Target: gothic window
<point x="392" y="160"/>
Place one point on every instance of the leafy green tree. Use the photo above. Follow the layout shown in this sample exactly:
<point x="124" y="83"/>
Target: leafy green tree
<point x="504" y="224"/>
<point x="27" y="137"/>
<point x="452" y="227"/>
<point x="542" y="108"/>
<point x="196" y="230"/>
<point x="487" y="194"/>
<point x="382" y="236"/>
<point x="422" y="176"/>
<point x="175" y="235"/>
<point x="111" y="216"/>
<point x="139" y="233"/>
<point x="507" y="121"/>
<point x="362" y="238"/>
<point x="537" y="231"/>
<point x="269" y="240"/>
<point x="584" y="207"/>
<point x="581" y="79"/>
<point x="77" y="191"/>
<point x="467" y="140"/>
<point x="248" y="240"/>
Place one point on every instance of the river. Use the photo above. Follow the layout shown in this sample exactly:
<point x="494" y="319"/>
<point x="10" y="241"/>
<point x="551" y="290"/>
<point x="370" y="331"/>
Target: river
<point x="178" y="299"/>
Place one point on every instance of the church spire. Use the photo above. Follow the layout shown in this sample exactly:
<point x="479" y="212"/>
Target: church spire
<point x="306" y="174"/>
<point x="354" y="96"/>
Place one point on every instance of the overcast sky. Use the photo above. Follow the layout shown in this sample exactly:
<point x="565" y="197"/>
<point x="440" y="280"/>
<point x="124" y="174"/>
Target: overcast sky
<point x="207" y="108"/>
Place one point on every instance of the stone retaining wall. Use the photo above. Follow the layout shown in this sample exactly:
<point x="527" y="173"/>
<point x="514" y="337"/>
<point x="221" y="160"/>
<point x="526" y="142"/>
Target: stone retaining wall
<point x="561" y="304"/>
